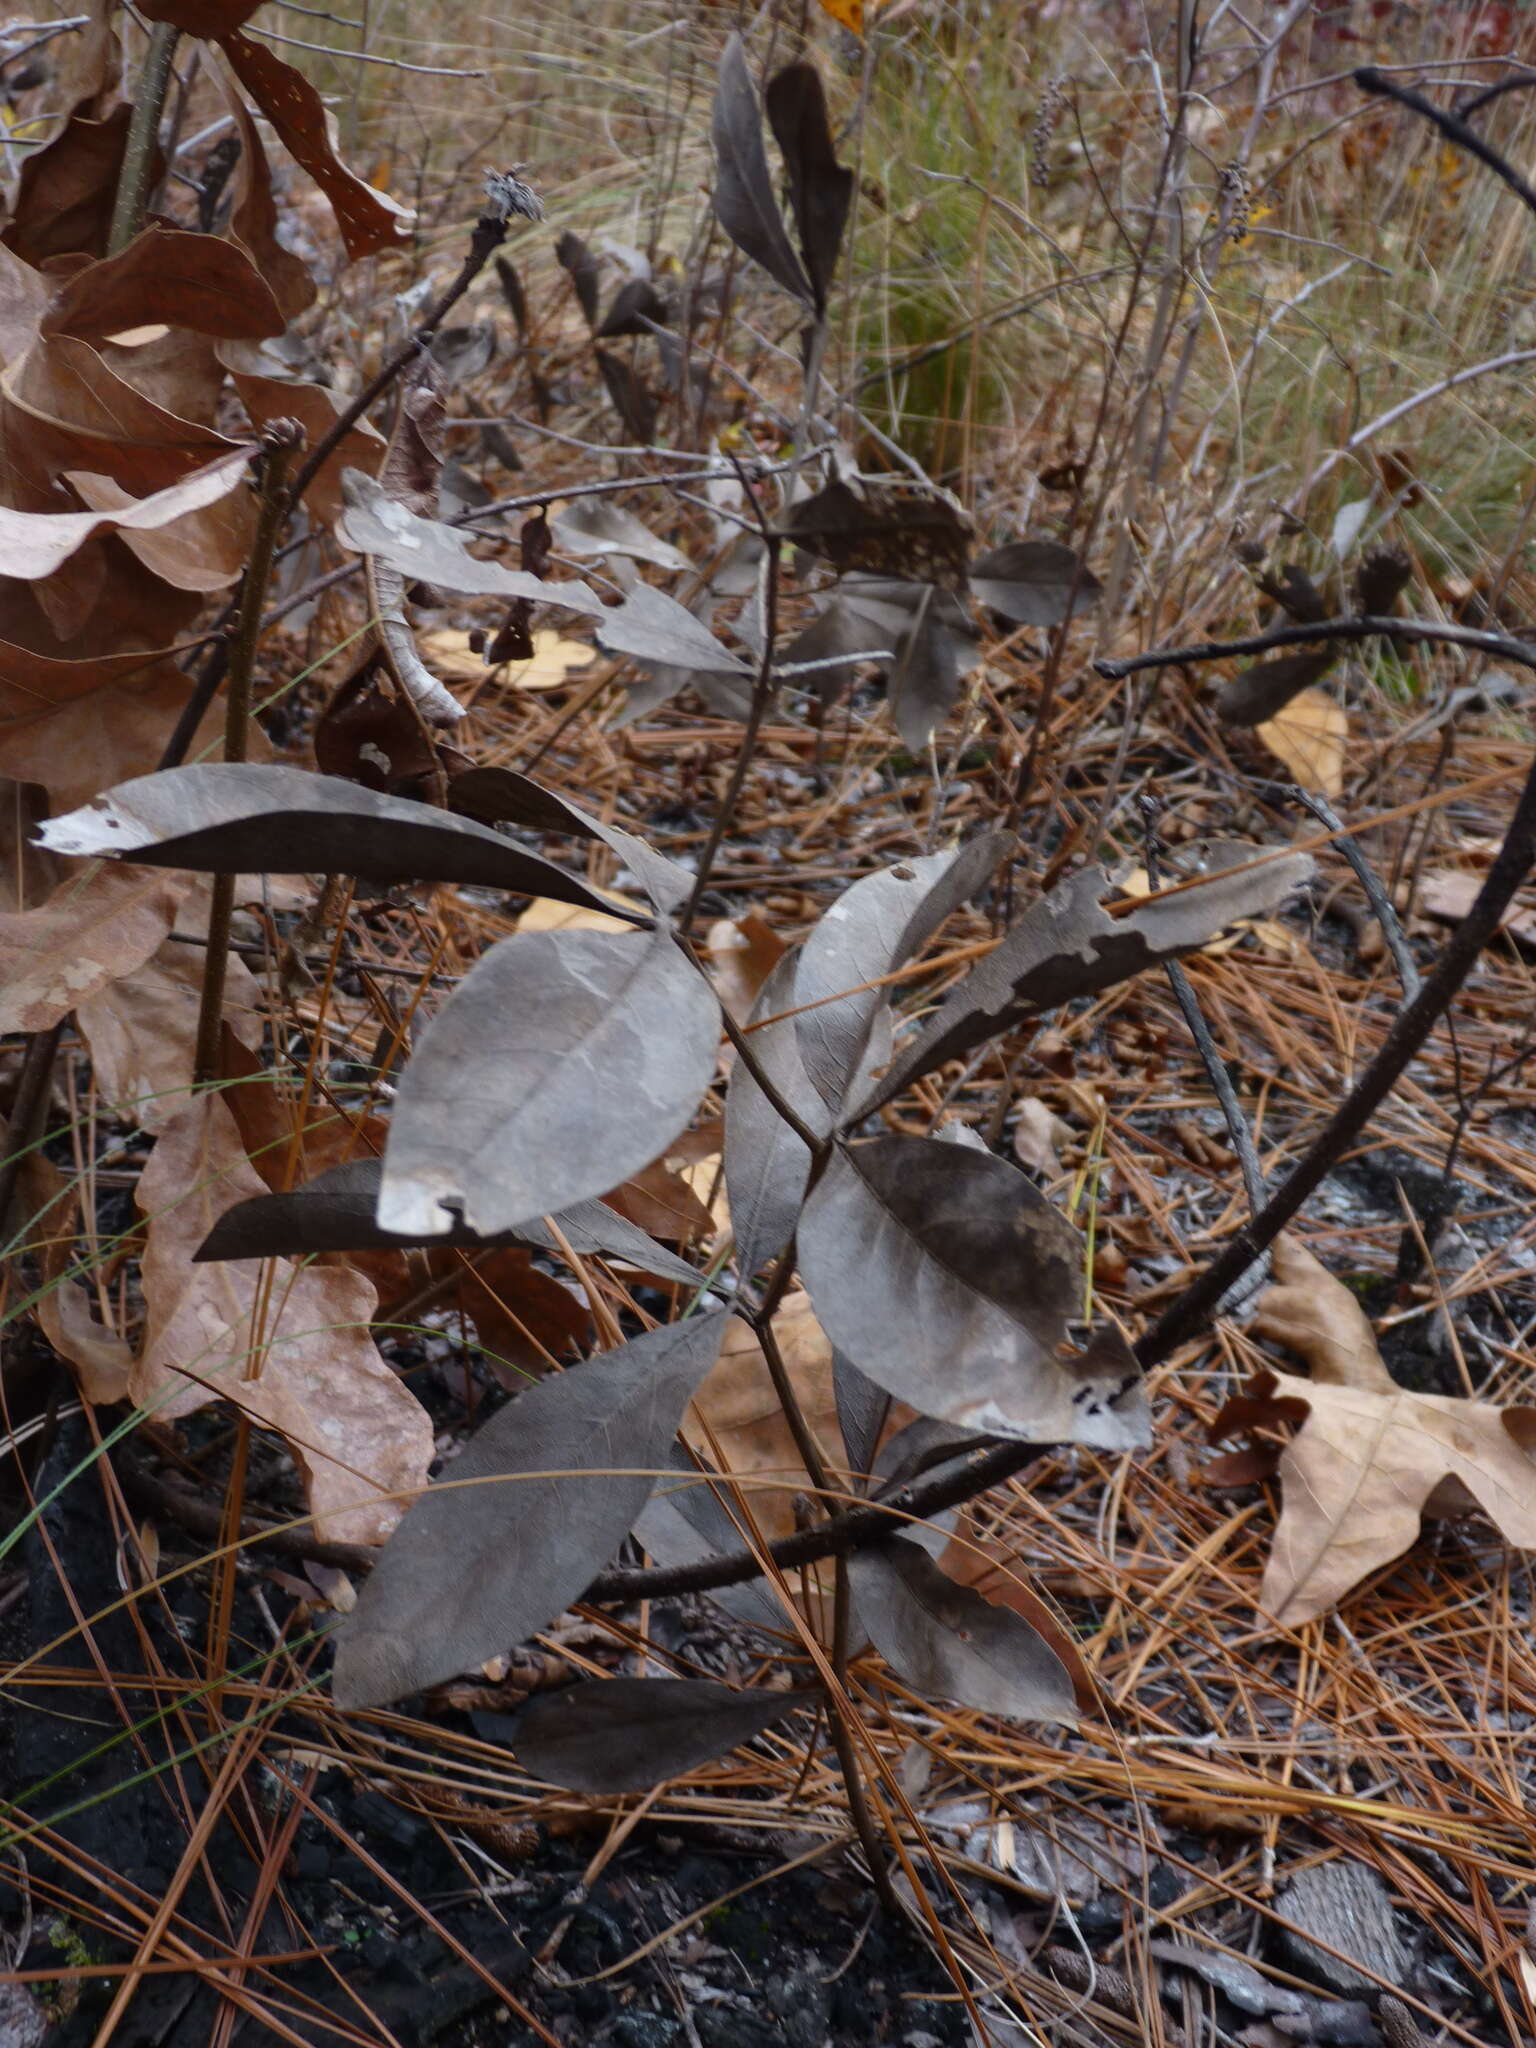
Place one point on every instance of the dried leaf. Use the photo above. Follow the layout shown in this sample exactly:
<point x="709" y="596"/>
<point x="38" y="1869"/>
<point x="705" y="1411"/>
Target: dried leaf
<point x="870" y="931"/>
<point x="369" y="220"/>
<point x="766" y="1164"/>
<point x="1065" y="946"/>
<point x="96" y="927"/>
<point x="1311" y="737"/>
<point x="142" y="1030"/>
<point x="885" y="528"/>
<point x="737" y="1421"/>
<point x="627" y="1734"/>
<point x="648" y="624"/>
<point x="947" y="1642"/>
<point x="742" y="953"/>
<point x="1369" y="1460"/>
<point x="1037" y="1131"/>
<point x="103" y="1360"/>
<point x="580" y="265"/>
<point x="744" y="198"/>
<point x="502" y="796"/>
<point x="1035" y="582"/>
<point x="948" y="1279"/>
<point x="653" y="627"/>
<point x="931" y="661"/>
<point x="820" y="189"/>
<point x="336" y="1211"/>
<point x="596" y="526"/>
<point x="239" y="818"/>
<point x="1313" y="1314"/>
<point x="635" y="405"/>
<point x="36" y="544"/>
<point x="477" y="1568"/>
<point x="1259" y="694"/>
<point x="1448" y="893"/>
<point x="523" y="1317"/>
<point x="294" y="1355"/>
<point x="563" y="1062"/>
<point x="637" y="309"/>
<point x="989" y="1568"/>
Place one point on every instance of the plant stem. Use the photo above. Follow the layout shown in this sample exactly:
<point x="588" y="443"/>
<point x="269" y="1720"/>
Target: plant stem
<point x="990" y="1465"/>
<point x="1521" y="651"/>
<point x="143" y="135"/>
<point x="490" y="232"/>
<point x="279" y="443"/>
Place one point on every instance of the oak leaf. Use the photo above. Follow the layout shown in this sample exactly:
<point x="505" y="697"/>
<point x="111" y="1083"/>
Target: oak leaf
<point x="1369" y="1459"/>
<point x="287" y="1344"/>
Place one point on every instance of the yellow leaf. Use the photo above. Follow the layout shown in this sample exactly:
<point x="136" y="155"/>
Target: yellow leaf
<point x="850" y="13"/>
<point x="544" y="914"/>
<point x="1310" y="736"/>
<point x="449" y="654"/>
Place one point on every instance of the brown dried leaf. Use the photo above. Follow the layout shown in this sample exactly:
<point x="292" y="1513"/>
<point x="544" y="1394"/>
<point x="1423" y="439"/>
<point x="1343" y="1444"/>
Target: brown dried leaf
<point x="1315" y="1315"/>
<point x="1449" y="893"/>
<point x="1311" y="737"/>
<point x="1369" y="1460"/>
<point x="295" y="1354"/>
<point x="736" y="1422"/>
<point x="369" y="220"/>
<point x="99" y="924"/>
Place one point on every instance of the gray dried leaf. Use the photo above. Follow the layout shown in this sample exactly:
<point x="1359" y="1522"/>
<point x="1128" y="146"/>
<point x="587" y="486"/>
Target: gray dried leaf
<point x="949" y="1279"/>
<point x="432" y="698"/>
<point x="820" y="189"/>
<point x="656" y="629"/>
<point x="888" y="528"/>
<point x="744" y="199"/>
<point x="634" y="403"/>
<point x="1235" y="1979"/>
<point x="475" y="1568"/>
<point x="563" y="1063"/>
<point x="580" y="265"/>
<point x="427" y="550"/>
<point x="502" y="796"/>
<point x="1066" y="946"/>
<point x="1033" y="582"/>
<point x="596" y="526"/>
<point x="231" y="818"/>
<point x="684" y="1522"/>
<point x="336" y="1212"/>
<point x="931" y="661"/>
<point x="839" y="642"/>
<point x="870" y="930"/>
<point x="627" y="1734"/>
<point x="947" y="1642"/>
<point x="1263" y="691"/>
<point x="460" y="353"/>
<point x="637" y="308"/>
<point x="863" y="1409"/>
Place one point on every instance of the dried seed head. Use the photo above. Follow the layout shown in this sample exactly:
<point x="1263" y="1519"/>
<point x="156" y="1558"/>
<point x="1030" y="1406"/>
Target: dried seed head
<point x="507" y="195"/>
<point x="1237" y="198"/>
<point x="1049" y="114"/>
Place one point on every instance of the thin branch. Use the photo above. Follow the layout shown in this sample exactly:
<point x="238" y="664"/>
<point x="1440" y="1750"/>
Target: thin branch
<point x="1371" y="883"/>
<point x="490" y="232"/>
<point x="991" y="1465"/>
<point x="143" y="133"/>
<point x="280" y="442"/>
<point x="1451" y="126"/>
<point x="1366" y="628"/>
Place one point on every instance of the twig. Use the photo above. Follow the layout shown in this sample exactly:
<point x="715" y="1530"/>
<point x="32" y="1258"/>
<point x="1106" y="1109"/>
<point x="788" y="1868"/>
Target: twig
<point x="204" y="1518"/>
<point x="1370" y="882"/>
<point x="1215" y="1066"/>
<point x="28" y="1111"/>
<point x="490" y="232"/>
<point x="762" y="696"/>
<point x="1452" y="126"/>
<point x="990" y="1466"/>
<point x="143" y="133"/>
<point x="1366" y="628"/>
<point x="279" y="443"/>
